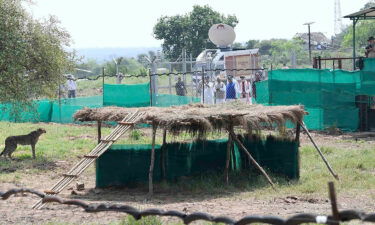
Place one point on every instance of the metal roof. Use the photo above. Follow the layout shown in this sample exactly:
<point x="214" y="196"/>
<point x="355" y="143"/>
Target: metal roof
<point x="363" y="14"/>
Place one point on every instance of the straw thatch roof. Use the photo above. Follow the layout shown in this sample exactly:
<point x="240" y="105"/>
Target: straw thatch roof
<point x="199" y="119"/>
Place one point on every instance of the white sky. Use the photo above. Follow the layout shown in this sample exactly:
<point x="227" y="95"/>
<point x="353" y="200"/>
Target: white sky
<point x="123" y="23"/>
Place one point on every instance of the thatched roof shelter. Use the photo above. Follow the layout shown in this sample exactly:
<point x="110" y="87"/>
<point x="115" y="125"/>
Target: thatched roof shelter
<point x="199" y="119"/>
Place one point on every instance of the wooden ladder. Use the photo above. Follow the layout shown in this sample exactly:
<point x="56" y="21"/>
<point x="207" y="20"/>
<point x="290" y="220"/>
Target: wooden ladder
<point x="88" y="159"/>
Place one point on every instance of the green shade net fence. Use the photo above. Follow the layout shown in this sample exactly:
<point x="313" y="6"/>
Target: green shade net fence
<point x="126" y="95"/>
<point x="125" y="165"/>
<point x="41" y="113"/>
<point x="123" y="95"/>
<point x="328" y="95"/>
<point x="63" y="111"/>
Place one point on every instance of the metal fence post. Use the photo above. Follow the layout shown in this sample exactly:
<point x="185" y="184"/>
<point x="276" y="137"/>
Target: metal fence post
<point x="103" y="83"/>
<point x="184" y="65"/>
<point x="202" y="91"/>
<point x="151" y="84"/>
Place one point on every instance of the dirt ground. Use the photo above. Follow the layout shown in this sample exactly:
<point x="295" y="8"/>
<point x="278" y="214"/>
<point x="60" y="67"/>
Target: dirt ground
<point x="17" y="209"/>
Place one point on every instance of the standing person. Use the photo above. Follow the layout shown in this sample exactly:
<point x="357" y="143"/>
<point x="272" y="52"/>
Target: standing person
<point x="370" y="48"/>
<point x="72" y="86"/>
<point x="119" y="78"/>
<point x="180" y="87"/>
<point x="219" y="90"/>
<point x="208" y="92"/>
<point x="245" y="90"/>
<point x="231" y="90"/>
<point x="257" y="77"/>
<point x="237" y="87"/>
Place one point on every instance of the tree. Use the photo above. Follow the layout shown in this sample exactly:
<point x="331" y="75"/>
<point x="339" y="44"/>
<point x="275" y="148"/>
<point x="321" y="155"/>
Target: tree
<point x="89" y="67"/>
<point x="364" y="29"/>
<point x="125" y="66"/>
<point x="281" y="51"/>
<point x="33" y="55"/>
<point x="237" y="45"/>
<point x="369" y="4"/>
<point x="189" y="31"/>
<point x="250" y="44"/>
<point x="145" y="59"/>
<point x="264" y="47"/>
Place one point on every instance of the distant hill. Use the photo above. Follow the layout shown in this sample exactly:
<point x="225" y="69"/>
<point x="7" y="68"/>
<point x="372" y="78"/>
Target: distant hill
<point x="104" y="54"/>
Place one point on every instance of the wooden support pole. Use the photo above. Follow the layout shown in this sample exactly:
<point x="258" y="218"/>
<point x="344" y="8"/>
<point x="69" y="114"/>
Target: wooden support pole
<point x="332" y="197"/>
<point x="229" y="148"/>
<point x="320" y="152"/>
<point x="99" y="131"/>
<point x="251" y="159"/>
<point x="297" y="140"/>
<point x="151" y="171"/>
<point x="298" y="132"/>
<point x="163" y="155"/>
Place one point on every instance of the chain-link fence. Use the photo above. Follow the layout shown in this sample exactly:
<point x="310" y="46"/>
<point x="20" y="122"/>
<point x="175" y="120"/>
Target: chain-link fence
<point x="166" y="88"/>
<point x="206" y="86"/>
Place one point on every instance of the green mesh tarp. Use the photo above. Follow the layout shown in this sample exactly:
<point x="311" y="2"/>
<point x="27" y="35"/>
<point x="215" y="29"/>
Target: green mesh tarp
<point x="262" y="92"/>
<point x="126" y="95"/>
<point x="124" y="165"/>
<point x="328" y="95"/>
<point x="369" y="64"/>
<point x="63" y="111"/>
<point x="312" y="94"/>
<point x="41" y="112"/>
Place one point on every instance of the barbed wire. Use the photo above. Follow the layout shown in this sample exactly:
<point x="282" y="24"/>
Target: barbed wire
<point x="197" y="72"/>
<point x="344" y="215"/>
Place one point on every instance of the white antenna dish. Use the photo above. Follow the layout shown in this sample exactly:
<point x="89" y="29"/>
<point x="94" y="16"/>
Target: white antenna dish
<point x="222" y="35"/>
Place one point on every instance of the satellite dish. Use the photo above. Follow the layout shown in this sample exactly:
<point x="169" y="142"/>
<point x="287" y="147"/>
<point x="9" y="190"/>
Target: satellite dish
<point x="222" y="35"/>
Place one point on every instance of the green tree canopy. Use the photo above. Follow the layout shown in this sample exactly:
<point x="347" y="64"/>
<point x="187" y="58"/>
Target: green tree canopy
<point x="189" y="31"/>
<point x="33" y="54"/>
<point x="364" y="29"/>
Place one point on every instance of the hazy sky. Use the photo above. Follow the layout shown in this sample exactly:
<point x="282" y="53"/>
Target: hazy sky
<point x="122" y="23"/>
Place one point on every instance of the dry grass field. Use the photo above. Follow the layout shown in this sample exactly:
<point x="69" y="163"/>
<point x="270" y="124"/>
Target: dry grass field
<point x="351" y="155"/>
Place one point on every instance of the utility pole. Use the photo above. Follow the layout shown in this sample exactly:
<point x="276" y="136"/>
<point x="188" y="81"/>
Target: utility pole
<point x="118" y="81"/>
<point x="309" y="34"/>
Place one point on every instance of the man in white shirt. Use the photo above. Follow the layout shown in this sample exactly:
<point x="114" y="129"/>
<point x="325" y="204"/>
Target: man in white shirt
<point x="245" y="89"/>
<point x="208" y="92"/>
<point x="220" y="89"/>
<point x="72" y="86"/>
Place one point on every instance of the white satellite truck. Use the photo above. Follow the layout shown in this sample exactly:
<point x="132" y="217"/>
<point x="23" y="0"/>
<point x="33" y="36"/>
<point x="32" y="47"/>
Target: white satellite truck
<point x="224" y="60"/>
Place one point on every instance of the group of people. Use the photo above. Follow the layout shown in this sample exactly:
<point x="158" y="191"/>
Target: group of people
<point x="221" y="91"/>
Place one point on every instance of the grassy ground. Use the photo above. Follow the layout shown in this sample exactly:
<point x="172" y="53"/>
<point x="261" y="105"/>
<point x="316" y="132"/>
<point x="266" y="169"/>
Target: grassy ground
<point x="352" y="159"/>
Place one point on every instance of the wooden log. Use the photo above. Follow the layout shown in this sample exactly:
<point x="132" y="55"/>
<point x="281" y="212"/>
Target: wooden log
<point x="332" y="197"/>
<point x="70" y="175"/>
<point x="163" y="155"/>
<point x="320" y="152"/>
<point x="126" y="123"/>
<point x="108" y="140"/>
<point x="251" y="159"/>
<point x="297" y="140"/>
<point x="91" y="156"/>
<point x="151" y="171"/>
<point x="50" y="192"/>
<point x="99" y="131"/>
<point x="298" y="133"/>
<point x="229" y="148"/>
